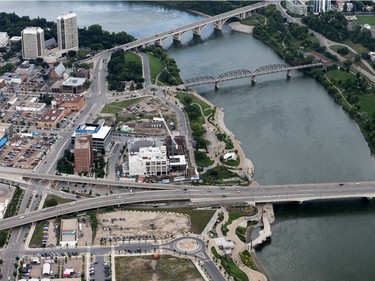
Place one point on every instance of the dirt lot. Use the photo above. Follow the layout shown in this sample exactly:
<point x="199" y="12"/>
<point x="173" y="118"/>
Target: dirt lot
<point x="6" y="193"/>
<point x="145" y="268"/>
<point x="137" y="224"/>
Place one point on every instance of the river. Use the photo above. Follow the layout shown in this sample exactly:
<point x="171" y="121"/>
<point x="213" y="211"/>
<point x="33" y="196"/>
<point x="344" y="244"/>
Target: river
<point x="291" y="130"/>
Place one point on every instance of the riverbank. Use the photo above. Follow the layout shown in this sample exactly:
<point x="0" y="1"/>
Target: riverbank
<point x="237" y="26"/>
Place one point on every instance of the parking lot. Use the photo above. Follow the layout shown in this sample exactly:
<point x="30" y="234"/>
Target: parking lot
<point x="67" y="264"/>
<point x="25" y="151"/>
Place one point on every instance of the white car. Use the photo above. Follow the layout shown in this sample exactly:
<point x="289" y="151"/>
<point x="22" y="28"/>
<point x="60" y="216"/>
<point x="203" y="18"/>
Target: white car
<point x="21" y="217"/>
<point x="72" y="203"/>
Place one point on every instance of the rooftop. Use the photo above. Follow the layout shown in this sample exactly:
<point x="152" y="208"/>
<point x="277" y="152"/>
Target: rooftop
<point x="32" y="30"/>
<point x="51" y="115"/>
<point x="74" y="82"/>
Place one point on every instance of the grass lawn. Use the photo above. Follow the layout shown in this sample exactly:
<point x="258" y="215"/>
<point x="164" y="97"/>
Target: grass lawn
<point x="130" y="56"/>
<point x="357" y="47"/>
<point x="145" y="268"/>
<point x="367" y="103"/>
<point x="116" y="107"/>
<point x="156" y="66"/>
<point x="338" y="47"/>
<point x="59" y="200"/>
<point x="207" y="109"/>
<point x="217" y="174"/>
<point x="340" y="75"/>
<point x="253" y="20"/>
<point x="36" y="239"/>
<point x="366" y="19"/>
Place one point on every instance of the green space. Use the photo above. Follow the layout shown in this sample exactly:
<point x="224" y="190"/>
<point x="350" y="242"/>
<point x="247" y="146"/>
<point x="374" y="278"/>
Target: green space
<point x="145" y="268"/>
<point x="230" y="267"/>
<point x="37" y="238"/>
<point x="53" y="200"/>
<point x="170" y="75"/>
<point x="217" y="175"/>
<point x="196" y="125"/>
<point x="66" y="163"/>
<point x="367" y="103"/>
<point x="228" y="141"/>
<point x="202" y="159"/>
<point x="241" y="233"/>
<point x="247" y="259"/>
<point x="116" y="107"/>
<point x="207" y="109"/>
<point x="343" y="51"/>
<point x="13" y="205"/>
<point x="156" y="66"/>
<point x="232" y="216"/>
<point x="359" y="48"/>
<point x="253" y="20"/>
<point x="366" y="19"/>
<point x="3" y="237"/>
<point x="124" y="66"/>
<point x="340" y="76"/>
<point x="132" y="57"/>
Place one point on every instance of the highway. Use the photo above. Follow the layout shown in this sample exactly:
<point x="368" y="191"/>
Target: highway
<point x="219" y="196"/>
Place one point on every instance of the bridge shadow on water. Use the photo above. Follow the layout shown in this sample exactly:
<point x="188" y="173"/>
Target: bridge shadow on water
<point x="324" y="208"/>
<point x="193" y="40"/>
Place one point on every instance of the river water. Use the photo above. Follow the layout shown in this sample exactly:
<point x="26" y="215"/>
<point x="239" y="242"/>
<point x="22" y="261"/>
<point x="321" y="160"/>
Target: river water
<point x="291" y="130"/>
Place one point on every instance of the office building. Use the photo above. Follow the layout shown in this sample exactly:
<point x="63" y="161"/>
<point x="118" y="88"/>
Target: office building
<point x="67" y="31"/>
<point x="101" y="135"/>
<point x="83" y="154"/>
<point x="321" y="6"/>
<point x="147" y="157"/>
<point x="32" y="43"/>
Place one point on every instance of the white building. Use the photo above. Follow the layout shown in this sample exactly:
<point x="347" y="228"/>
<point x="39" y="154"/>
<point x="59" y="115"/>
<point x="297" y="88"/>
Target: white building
<point x="4" y="39"/>
<point x="33" y="43"/>
<point x="321" y="6"/>
<point x="67" y="31"/>
<point x="68" y="233"/>
<point x="31" y="105"/>
<point x="296" y="7"/>
<point x="149" y="161"/>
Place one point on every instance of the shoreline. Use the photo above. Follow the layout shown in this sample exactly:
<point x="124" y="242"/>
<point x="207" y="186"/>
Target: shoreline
<point x="246" y="164"/>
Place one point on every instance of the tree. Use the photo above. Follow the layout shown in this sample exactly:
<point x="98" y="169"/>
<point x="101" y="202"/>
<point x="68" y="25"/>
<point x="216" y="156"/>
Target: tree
<point x="51" y="202"/>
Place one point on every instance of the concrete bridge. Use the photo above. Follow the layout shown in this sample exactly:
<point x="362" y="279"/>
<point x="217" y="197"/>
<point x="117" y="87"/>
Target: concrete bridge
<point x="244" y="73"/>
<point x="217" y="21"/>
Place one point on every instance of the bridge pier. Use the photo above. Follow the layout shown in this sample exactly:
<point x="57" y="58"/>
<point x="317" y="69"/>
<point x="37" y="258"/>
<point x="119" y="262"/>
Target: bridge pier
<point x="369" y="198"/>
<point x="177" y="37"/>
<point x="253" y="80"/>
<point x="197" y="31"/>
<point x="217" y="86"/>
<point x="289" y="74"/>
<point x="219" y="24"/>
<point x="159" y="43"/>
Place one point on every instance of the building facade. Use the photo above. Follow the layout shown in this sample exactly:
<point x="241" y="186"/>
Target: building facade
<point x="67" y="31"/>
<point x="83" y="154"/>
<point x="4" y="39"/>
<point x="321" y="6"/>
<point x="32" y="43"/>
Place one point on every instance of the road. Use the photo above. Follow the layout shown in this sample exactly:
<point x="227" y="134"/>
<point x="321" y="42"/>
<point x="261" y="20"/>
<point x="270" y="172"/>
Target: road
<point x="213" y="196"/>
